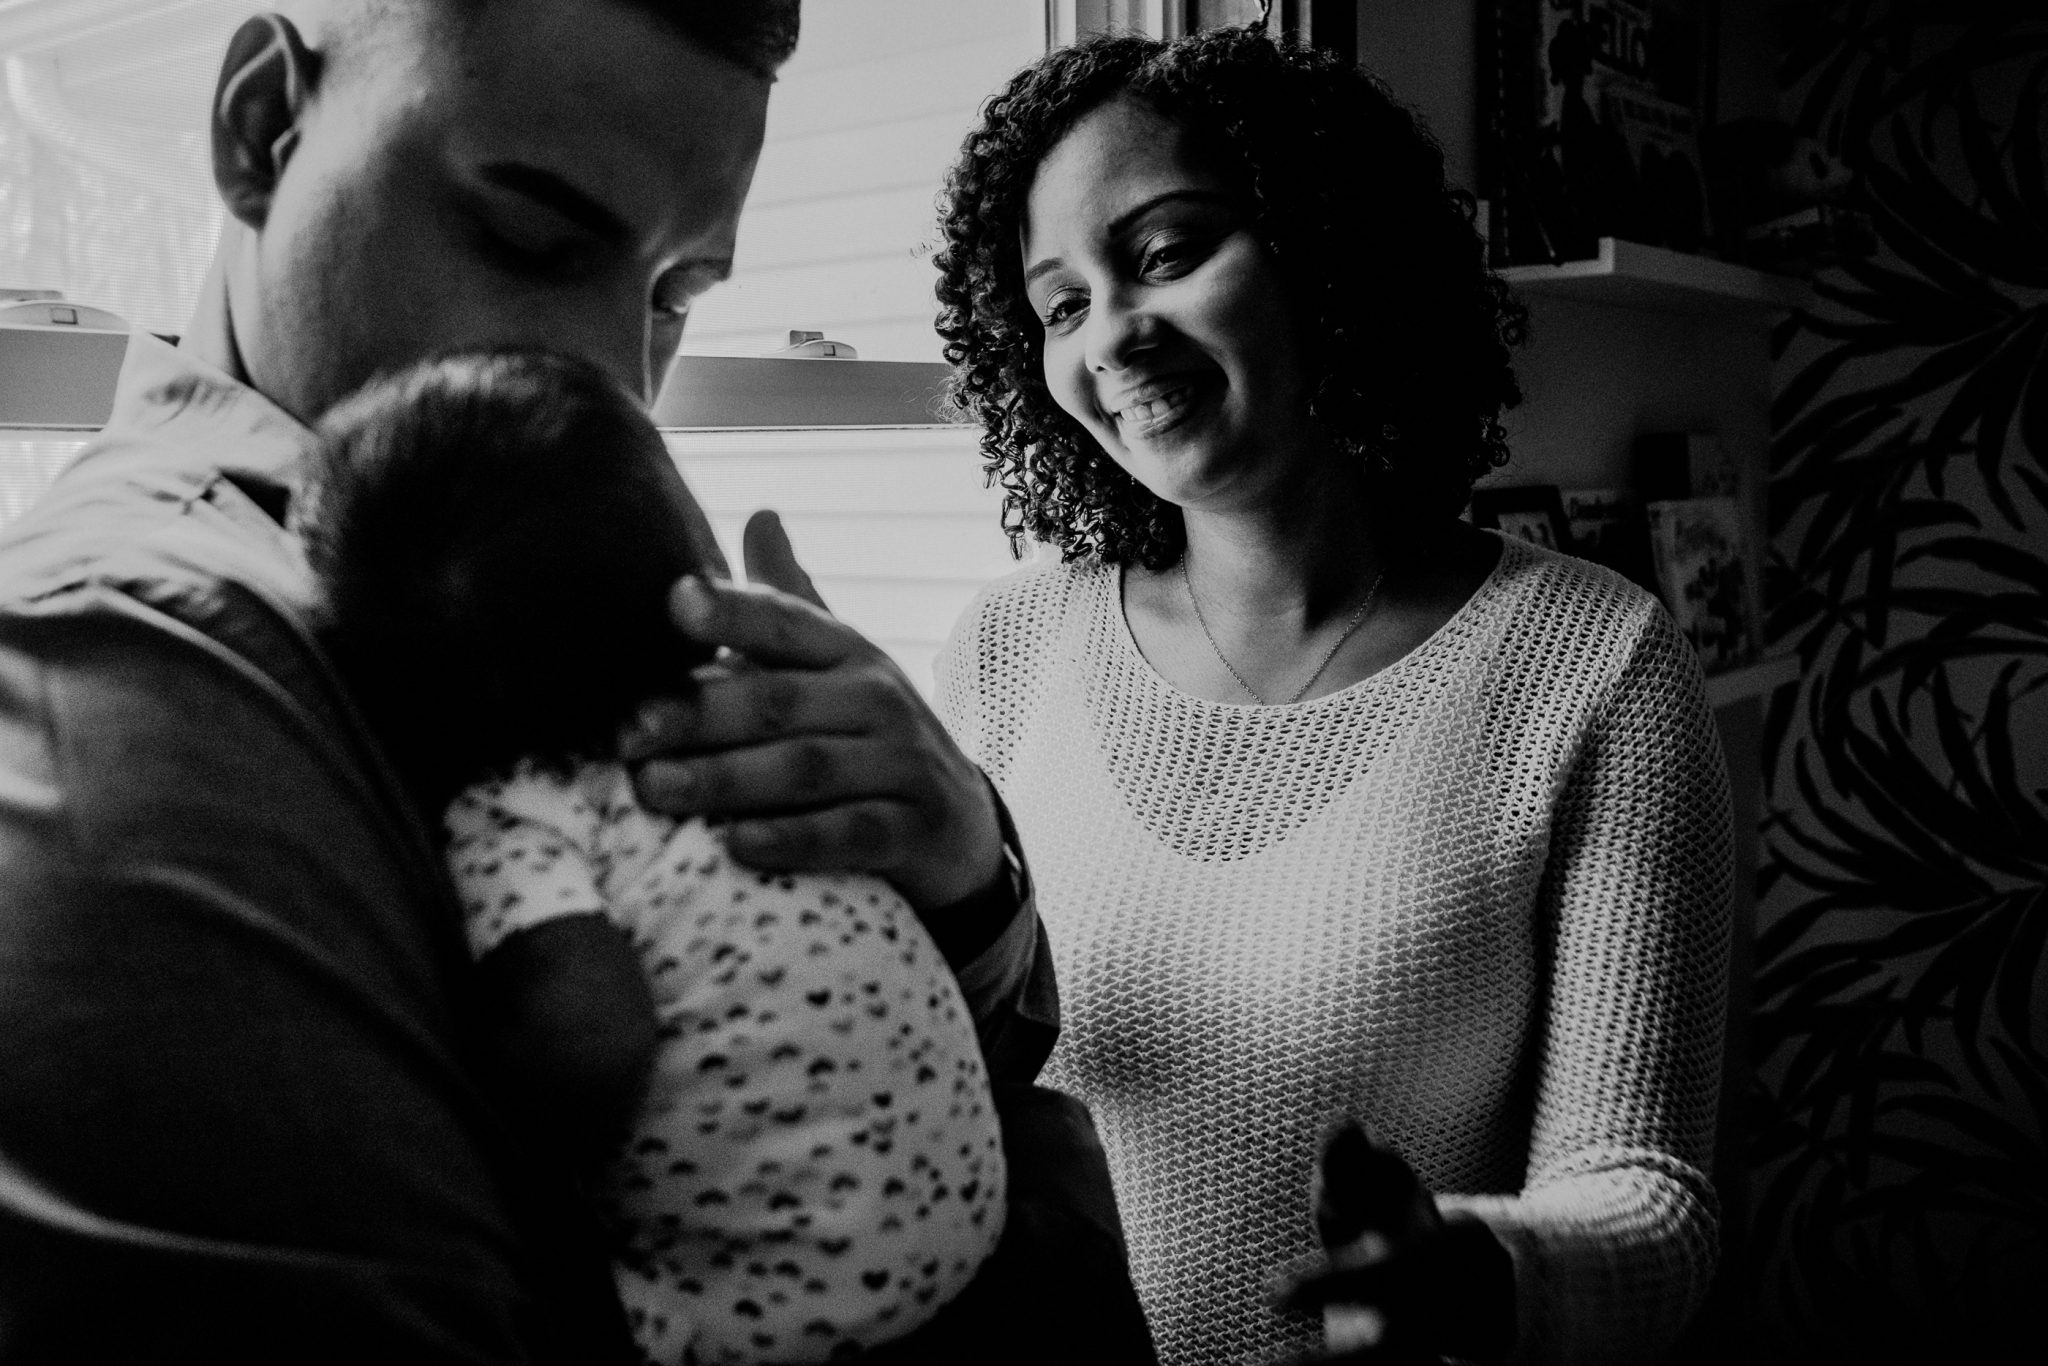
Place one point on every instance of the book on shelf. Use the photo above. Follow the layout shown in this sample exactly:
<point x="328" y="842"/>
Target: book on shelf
<point x="1591" y="125"/>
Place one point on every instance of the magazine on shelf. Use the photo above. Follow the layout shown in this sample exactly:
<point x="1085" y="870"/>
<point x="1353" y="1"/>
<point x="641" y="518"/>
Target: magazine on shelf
<point x="1699" y="548"/>
<point x="1592" y="122"/>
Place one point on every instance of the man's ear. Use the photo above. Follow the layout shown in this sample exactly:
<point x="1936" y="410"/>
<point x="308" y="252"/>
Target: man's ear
<point x="266" y="83"/>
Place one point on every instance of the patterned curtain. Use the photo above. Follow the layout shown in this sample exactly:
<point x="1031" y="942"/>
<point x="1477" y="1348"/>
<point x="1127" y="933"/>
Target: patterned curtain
<point x="1899" y="1115"/>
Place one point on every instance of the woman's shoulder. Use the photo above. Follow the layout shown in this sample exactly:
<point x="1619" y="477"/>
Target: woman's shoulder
<point x="1042" y="580"/>
<point x="1010" y="634"/>
<point x="1543" y="589"/>
<point x="1034" y="597"/>
<point x="1579" y="622"/>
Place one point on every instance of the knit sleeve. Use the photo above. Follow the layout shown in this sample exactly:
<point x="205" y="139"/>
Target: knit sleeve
<point x="1614" y="1233"/>
<point x="955" y="694"/>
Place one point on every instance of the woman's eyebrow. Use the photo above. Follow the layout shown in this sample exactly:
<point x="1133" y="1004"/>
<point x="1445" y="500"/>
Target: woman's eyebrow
<point x="552" y="192"/>
<point x="1045" y="267"/>
<point x="1132" y="215"/>
<point x="1123" y="221"/>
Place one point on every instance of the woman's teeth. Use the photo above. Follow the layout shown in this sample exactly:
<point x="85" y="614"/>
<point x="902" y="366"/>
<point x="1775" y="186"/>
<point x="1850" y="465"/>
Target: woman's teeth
<point x="1155" y="411"/>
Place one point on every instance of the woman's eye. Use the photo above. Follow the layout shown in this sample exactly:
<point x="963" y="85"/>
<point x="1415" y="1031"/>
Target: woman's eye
<point x="1062" y="308"/>
<point x="1168" y="258"/>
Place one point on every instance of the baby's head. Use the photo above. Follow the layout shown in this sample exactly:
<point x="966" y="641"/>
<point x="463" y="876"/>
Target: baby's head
<point x="494" y="536"/>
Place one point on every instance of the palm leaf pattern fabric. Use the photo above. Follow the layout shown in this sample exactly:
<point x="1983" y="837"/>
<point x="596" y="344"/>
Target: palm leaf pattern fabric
<point x="1898" y="1116"/>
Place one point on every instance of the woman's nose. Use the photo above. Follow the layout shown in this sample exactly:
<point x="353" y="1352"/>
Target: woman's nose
<point x="1118" y="329"/>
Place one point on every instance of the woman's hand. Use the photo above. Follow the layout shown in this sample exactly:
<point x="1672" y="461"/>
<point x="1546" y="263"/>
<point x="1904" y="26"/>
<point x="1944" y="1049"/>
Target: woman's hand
<point x="1399" y="1282"/>
<point x="813" y="743"/>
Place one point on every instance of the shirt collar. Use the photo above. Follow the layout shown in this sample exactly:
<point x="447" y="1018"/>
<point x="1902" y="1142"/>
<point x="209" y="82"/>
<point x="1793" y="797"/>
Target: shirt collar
<point x="198" y="421"/>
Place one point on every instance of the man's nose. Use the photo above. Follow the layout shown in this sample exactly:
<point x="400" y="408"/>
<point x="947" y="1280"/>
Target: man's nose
<point x="620" y="340"/>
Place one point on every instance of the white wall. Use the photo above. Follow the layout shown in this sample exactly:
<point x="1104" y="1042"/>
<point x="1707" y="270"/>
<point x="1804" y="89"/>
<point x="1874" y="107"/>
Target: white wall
<point x="893" y="523"/>
<point x="862" y="125"/>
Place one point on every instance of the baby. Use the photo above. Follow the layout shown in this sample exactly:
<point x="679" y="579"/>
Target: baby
<point x="812" y="1162"/>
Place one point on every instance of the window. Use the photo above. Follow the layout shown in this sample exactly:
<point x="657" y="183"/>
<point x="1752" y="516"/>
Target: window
<point x="105" y="192"/>
<point x="893" y="523"/>
<point x="105" y="195"/>
<point x="862" y="125"/>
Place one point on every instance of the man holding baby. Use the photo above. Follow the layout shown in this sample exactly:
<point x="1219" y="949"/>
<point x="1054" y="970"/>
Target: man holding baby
<point x="243" y="1113"/>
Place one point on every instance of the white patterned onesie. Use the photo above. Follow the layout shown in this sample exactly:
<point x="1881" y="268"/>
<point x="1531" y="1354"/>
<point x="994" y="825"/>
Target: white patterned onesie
<point x="817" y="1166"/>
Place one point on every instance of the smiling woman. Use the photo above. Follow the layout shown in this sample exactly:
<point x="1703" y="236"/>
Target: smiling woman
<point x="1165" y="334"/>
<point x="1339" y="809"/>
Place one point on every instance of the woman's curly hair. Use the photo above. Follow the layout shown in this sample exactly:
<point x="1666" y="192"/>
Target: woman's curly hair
<point x="1383" y="270"/>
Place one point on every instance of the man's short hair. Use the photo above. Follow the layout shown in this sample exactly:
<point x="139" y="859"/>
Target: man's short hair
<point x="756" y="34"/>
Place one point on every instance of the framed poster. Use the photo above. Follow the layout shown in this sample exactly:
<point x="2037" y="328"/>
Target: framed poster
<point x="1699" y="549"/>
<point x="1591" y="126"/>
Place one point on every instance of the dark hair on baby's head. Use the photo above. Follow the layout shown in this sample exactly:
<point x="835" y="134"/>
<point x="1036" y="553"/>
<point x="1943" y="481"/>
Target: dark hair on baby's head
<point x="1407" y="331"/>
<point x="494" y="536"/>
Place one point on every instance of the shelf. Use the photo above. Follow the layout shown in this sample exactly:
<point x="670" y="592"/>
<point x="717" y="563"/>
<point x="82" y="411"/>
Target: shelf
<point x="1760" y="679"/>
<point x="1631" y="275"/>
<point x="777" y="391"/>
<point x="58" y="377"/>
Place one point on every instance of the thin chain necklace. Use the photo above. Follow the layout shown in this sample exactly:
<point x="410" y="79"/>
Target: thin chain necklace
<point x="1350" y="628"/>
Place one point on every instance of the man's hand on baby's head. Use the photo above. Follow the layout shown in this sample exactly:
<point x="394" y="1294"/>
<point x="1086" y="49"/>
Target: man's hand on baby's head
<point x="812" y="743"/>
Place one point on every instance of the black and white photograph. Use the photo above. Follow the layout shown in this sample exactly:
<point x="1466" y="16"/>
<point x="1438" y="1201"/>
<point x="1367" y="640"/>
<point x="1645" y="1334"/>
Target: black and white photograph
<point x="1023" y="682"/>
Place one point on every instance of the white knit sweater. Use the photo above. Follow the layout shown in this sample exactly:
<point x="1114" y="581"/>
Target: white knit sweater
<point x="1480" y="899"/>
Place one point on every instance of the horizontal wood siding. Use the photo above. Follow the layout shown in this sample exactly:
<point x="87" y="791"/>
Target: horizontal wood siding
<point x="864" y="120"/>
<point x="894" y="525"/>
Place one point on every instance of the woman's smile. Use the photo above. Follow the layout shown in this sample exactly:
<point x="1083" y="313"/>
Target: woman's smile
<point x="1166" y="334"/>
<point x="1160" y="407"/>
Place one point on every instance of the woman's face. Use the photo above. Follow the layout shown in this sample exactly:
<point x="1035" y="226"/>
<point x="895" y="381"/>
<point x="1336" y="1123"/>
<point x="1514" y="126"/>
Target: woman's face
<point x="1166" y="335"/>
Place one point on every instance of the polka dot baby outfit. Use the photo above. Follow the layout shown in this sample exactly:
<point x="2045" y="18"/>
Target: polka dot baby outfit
<point x="817" y="1165"/>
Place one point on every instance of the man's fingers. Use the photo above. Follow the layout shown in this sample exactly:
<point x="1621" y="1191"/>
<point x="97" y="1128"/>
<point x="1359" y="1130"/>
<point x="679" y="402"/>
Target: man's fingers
<point x="771" y="560"/>
<point x="730" y="707"/>
<point x="766" y="625"/>
<point x="798" y="774"/>
<point x="865" y="836"/>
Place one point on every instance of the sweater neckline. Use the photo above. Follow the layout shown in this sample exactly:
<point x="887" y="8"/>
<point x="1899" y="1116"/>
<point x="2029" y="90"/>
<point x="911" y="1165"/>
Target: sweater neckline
<point x="1513" y="553"/>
